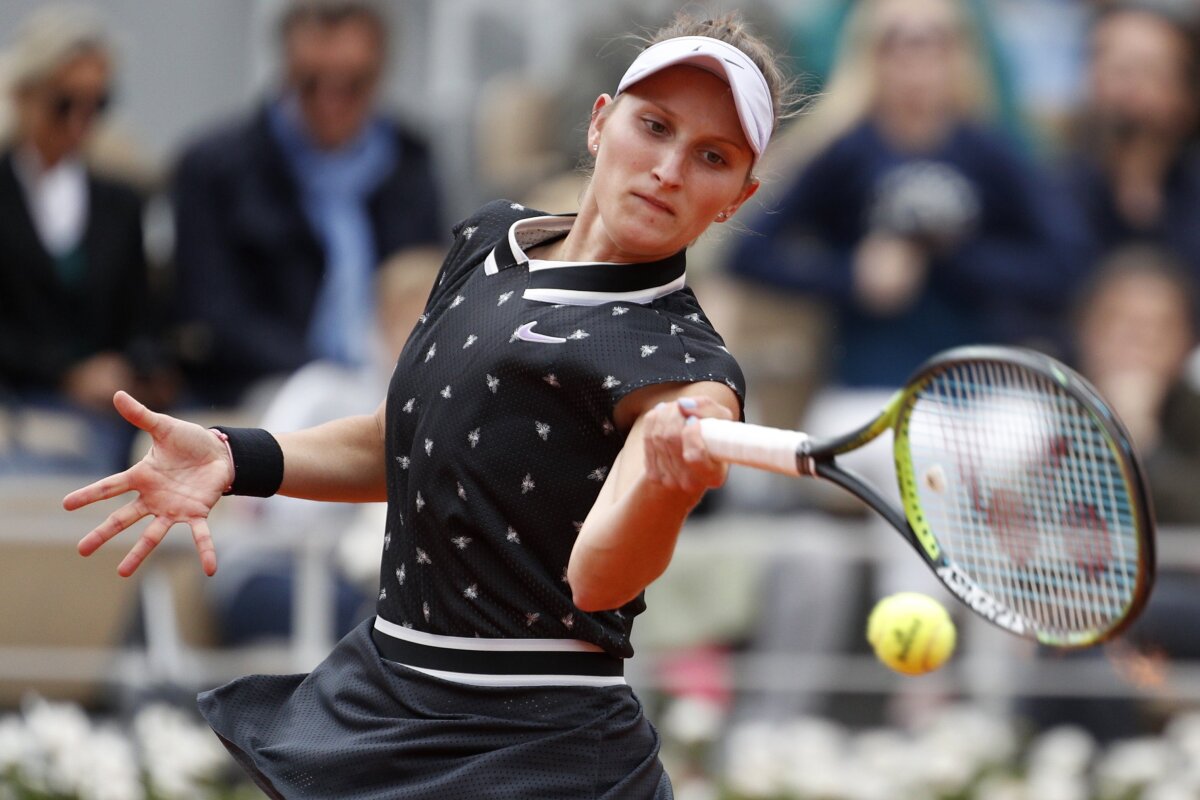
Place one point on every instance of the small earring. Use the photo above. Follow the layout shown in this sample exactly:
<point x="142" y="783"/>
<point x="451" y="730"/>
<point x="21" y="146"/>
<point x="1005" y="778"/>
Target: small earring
<point x="596" y="148"/>
<point x="722" y="217"/>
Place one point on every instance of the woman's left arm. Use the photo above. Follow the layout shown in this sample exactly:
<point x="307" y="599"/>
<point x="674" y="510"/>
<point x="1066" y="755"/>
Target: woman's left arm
<point x="660" y="474"/>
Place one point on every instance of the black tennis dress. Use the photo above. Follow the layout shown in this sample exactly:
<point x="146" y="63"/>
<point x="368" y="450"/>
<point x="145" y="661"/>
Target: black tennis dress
<point x="479" y="678"/>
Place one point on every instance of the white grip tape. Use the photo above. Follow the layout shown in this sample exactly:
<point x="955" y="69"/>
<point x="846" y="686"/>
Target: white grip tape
<point x="756" y="446"/>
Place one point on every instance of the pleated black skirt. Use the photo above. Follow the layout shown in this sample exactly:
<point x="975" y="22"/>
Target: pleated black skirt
<point x="361" y="727"/>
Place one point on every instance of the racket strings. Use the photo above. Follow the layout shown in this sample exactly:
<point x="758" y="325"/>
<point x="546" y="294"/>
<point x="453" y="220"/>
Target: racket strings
<point x="1025" y="493"/>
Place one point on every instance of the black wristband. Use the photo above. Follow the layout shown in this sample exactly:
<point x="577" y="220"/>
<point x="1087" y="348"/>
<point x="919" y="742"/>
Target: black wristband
<point x="257" y="461"/>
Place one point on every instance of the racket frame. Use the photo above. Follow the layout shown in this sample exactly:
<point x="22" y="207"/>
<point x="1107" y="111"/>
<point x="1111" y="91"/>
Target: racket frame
<point x="817" y="457"/>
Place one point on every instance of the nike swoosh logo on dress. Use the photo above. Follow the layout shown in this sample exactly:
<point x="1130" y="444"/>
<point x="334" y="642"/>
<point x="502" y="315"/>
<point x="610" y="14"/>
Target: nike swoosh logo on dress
<point x="525" y="333"/>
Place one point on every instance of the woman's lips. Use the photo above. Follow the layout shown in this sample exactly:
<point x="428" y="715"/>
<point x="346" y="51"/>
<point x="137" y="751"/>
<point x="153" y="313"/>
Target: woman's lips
<point x="655" y="203"/>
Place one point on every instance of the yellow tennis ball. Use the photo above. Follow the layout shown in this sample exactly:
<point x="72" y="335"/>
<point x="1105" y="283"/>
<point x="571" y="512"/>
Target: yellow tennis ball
<point x="911" y="633"/>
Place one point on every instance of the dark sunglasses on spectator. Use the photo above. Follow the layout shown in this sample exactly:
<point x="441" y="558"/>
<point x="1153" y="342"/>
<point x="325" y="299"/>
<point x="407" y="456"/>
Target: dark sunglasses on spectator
<point x="65" y="104"/>
<point x="349" y="85"/>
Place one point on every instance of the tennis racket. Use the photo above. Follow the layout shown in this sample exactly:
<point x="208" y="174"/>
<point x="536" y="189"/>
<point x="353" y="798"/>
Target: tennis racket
<point x="1018" y="487"/>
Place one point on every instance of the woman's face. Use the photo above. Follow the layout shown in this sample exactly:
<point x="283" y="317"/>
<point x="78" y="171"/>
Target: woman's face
<point x="57" y="114"/>
<point x="670" y="157"/>
<point x="916" y="60"/>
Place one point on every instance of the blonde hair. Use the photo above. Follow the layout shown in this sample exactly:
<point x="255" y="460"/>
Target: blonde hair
<point x="51" y="37"/>
<point x="852" y="88"/>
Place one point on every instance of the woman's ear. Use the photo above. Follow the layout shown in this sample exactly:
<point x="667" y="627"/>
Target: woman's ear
<point x="747" y="192"/>
<point x="600" y="111"/>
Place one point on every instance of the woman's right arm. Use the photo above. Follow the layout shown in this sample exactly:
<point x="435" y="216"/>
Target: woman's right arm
<point x="187" y="469"/>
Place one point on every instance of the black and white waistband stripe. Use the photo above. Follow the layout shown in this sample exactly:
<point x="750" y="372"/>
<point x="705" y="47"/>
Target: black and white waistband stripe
<point x="499" y="662"/>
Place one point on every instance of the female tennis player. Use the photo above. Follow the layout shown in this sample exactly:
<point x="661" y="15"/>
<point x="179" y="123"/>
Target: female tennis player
<point x="535" y="453"/>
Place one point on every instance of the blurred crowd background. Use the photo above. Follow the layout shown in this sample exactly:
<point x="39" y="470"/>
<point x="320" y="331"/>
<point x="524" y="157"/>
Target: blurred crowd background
<point x="234" y="210"/>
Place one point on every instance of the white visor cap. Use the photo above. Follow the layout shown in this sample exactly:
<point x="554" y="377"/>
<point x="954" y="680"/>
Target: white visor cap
<point x="751" y="96"/>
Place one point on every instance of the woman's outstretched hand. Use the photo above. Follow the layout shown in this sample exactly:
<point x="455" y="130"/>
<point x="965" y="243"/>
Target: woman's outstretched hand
<point x="180" y="479"/>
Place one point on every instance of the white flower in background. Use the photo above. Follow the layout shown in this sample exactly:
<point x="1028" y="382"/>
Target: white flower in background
<point x="112" y="771"/>
<point x="178" y="754"/>
<point x="1056" y="786"/>
<point x="888" y="753"/>
<point x="54" y="727"/>
<point x="812" y="751"/>
<point x="16" y="745"/>
<point x="1132" y="764"/>
<point x="1063" y="750"/>
<point x="976" y="737"/>
<point x="696" y="789"/>
<point x="1171" y="789"/>
<point x="1184" y="732"/>
<point x="753" y="768"/>
<point x="1002" y="787"/>
<point x="693" y="720"/>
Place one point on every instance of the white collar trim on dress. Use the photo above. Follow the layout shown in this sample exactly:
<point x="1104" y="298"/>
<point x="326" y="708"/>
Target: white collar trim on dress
<point x="582" y="283"/>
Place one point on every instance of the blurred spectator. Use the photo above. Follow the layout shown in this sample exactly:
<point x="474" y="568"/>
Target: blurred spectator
<point x="1134" y="172"/>
<point x="74" y="288"/>
<point x="1134" y="330"/>
<point x="922" y="227"/>
<point x="283" y="215"/>
<point x="252" y="593"/>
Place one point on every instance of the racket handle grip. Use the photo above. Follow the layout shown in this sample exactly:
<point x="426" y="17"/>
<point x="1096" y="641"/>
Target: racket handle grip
<point x="773" y="449"/>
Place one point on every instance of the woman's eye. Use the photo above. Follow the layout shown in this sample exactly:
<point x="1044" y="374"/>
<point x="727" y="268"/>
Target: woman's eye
<point x="713" y="157"/>
<point x="654" y="126"/>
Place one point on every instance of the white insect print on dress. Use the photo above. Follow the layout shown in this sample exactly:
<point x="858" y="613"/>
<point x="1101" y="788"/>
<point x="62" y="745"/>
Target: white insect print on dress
<point x="731" y="384"/>
<point x="578" y="526"/>
<point x="429" y="447"/>
<point x="687" y="358"/>
<point x="431" y="352"/>
<point x="607" y="427"/>
<point x="619" y="310"/>
<point x="387" y="540"/>
<point x="579" y="334"/>
<point x="458" y="301"/>
<point x="493" y="383"/>
<point x="423" y="557"/>
<point x="516" y="206"/>
<point x="425" y="610"/>
<point x="400" y="574"/>
<point x="568" y="621"/>
<point x="675" y="329"/>
<point x="383" y="593"/>
<point x="445" y="392"/>
<point x="461" y="542"/>
<point x="598" y="474"/>
<point x="531" y="617"/>
<point x="552" y="379"/>
<point x="406" y="625"/>
<point x="471" y="592"/>
<point x="610" y="382"/>
<point x="420" y="502"/>
<point x="473" y="438"/>
<point x="469" y="231"/>
<point x="694" y="317"/>
<point x="543" y="430"/>
<point x="462" y="493"/>
<point x="421" y="319"/>
<point x="512" y="535"/>
<point x="408" y="407"/>
<point x="403" y="461"/>
<point x="563" y="578"/>
<point x="471" y="339"/>
<point x="513" y="338"/>
<point x="648" y="349"/>
<point x="527" y="484"/>
<point x="504" y="298"/>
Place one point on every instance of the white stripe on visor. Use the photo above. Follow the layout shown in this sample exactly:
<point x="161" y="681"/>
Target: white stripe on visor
<point x="751" y="96"/>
